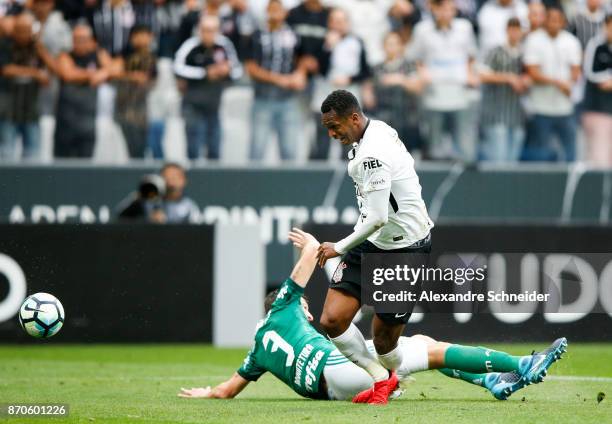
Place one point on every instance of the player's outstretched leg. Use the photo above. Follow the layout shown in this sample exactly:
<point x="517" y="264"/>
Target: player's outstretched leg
<point x="528" y="371"/>
<point x="535" y="370"/>
<point x="423" y="352"/>
<point x="500" y="384"/>
<point x="481" y="359"/>
<point x="338" y="312"/>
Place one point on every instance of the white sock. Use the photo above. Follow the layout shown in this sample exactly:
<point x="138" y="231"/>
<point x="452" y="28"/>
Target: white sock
<point x="352" y="345"/>
<point x="393" y="359"/>
<point x="415" y="357"/>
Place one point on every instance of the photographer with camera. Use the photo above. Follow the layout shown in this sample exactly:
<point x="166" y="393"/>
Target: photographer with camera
<point x="177" y="207"/>
<point x="159" y="199"/>
<point x="146" y="203"/>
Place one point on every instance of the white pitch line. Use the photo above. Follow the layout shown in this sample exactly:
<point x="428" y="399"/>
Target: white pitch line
<point x="443" y="189"/>
<point x="606" y="188"/>
<point x="575" y="174"/>
<point x="214" y="377"/>
<point x="334" y="186"/>
<point x="578" y="378"/>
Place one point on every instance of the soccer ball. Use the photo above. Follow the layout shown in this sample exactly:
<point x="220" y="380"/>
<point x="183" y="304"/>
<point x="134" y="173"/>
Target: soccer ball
<point x="41" y="315"/>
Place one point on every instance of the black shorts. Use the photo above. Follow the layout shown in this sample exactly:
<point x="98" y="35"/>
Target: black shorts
<point x="347" y="276"/>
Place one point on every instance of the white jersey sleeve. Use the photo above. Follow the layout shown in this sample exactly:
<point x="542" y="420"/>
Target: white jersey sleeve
<point x="375" y="174"/>
<point x="376" y="205"/>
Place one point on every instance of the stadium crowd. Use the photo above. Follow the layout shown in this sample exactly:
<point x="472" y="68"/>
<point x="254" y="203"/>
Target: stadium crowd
<point x="469" y="80"/>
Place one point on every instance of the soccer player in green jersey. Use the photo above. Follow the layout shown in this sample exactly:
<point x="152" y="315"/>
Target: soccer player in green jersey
<point x="288" y="346"/>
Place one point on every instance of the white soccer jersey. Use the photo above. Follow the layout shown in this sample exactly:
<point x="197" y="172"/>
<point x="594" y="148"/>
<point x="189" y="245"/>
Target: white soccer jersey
<point x="381" y="161"/>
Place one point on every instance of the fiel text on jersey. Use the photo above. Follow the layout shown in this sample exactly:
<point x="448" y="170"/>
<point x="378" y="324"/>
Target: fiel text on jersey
<point x="372" y="164"/>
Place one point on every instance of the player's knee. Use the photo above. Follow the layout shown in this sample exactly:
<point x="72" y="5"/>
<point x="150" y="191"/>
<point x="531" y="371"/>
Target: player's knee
<point x="436" y="354"/>
<point x="333" y="324"/>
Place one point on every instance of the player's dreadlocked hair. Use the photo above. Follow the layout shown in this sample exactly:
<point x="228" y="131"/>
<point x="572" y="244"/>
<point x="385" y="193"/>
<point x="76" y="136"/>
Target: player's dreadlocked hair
<point x="271" y="297"/>
<point x="342" y="102"/>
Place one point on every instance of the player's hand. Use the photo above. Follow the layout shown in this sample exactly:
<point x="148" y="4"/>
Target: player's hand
<point x="301" y="239"/>
<point x="196" y="393"/>
<point x="326" y="251"/>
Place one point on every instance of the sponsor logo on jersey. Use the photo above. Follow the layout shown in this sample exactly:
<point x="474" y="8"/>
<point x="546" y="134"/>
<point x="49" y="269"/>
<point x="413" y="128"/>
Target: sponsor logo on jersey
<point x="372" y="164"/>
<point x="312" y="366"/>
<point x="299" y="363"/>
<point x="310" y="378"/>
<point x="378" y="182"/>
<point x="337" y="277"/>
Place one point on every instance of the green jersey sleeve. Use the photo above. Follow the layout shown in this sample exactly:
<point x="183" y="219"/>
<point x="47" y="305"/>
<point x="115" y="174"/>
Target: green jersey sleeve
<point x="288" y="294"/>
<point x="249" y="369"/>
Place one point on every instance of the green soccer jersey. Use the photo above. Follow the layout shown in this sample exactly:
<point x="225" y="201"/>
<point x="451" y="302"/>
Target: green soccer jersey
<point x="288" y="346"/>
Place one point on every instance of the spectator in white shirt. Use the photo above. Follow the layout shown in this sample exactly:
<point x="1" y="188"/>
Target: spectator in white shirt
<point x="369" y="22"/>
<point x="446" y="49"/>
<point x="552" y="57"/>
<point x="347" y="61"/>
<point x="492" y="20"/>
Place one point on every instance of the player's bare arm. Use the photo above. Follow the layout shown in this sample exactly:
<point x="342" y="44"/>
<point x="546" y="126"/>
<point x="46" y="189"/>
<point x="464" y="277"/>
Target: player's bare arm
<point x="308" y="244"/>
<point x="226" y="390"/>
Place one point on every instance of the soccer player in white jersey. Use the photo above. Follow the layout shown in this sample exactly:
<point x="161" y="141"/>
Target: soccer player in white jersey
<point x="393" y="219"/>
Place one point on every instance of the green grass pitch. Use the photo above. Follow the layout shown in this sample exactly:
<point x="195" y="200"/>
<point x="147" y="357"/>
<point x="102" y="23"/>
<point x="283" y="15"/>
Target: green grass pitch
<point x="138" y="384"/>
